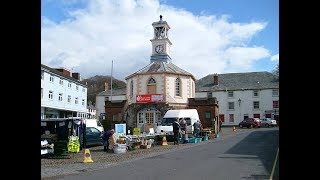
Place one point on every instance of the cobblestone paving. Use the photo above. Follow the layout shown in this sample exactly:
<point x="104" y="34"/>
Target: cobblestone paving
<point x="51" y="168"/>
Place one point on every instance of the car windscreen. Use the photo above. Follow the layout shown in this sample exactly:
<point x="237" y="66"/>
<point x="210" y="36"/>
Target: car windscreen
<point x="167" y="121"/>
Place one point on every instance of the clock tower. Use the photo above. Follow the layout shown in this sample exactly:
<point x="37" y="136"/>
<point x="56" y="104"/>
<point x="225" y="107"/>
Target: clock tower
<point x="160" y="42"/>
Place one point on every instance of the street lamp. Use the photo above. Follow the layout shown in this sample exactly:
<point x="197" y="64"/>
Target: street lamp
<point x="239" y="101"/>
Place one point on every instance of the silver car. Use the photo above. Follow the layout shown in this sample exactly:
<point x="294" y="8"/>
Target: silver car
<point x="268" y="122"/>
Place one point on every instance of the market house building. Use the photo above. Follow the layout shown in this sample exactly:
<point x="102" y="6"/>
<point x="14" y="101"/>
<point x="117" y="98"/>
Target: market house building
<point x="154" y="89"/>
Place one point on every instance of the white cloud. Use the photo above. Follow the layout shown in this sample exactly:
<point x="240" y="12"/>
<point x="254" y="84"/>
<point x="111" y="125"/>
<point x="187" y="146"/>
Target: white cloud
<point x="275" y="57"/>
<point x="121" y="31"/>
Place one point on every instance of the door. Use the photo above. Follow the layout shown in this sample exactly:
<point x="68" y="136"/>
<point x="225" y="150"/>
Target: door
<point x="221" y="117"/>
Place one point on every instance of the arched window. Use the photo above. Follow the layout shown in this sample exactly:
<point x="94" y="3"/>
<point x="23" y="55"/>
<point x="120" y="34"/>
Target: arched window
<point x="152" y="86"/>
<point x="178" y="87"/>
<point x="131" y="89"/>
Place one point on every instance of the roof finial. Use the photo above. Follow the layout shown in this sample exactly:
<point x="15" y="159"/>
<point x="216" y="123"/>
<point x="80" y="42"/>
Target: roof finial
<point x="160" y="17"/>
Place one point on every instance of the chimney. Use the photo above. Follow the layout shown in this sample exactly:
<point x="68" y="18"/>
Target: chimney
<point x="106" y="86"/>
<point x="215" y="79"/>
<point x="76" y="76"/>
<point x="64" y="71"/>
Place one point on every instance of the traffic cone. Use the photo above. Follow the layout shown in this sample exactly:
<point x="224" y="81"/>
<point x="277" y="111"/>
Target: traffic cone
<point x="164" y="141"/>
<point x="87" y="156"/>
<point x="234" y="129"/>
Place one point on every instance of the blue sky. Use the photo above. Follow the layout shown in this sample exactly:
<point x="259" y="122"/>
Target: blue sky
<point x="223" y="36"/>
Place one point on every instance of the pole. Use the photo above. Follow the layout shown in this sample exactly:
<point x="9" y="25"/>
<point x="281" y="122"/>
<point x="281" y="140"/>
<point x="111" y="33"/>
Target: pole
<point x="111" y="80"/>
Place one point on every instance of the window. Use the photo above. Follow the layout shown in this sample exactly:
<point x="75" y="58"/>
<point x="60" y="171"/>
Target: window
<point x="152" y="86"/>
<point x="69" y="85"/>
<point x="140" y="118"/>
<point x="60" y="96"/>
<point x="151" y="81"/>
<point x="61" y="82"/>
<point x="83" y="102"/>
<point x="50" y="94"/>
<point x="275" y="92"/>
<point x="255" y="104"/>
<point x="131" y="89"/>
<point x="149" y="117"/>
<point x="77" y="87"/>
<point x="41" y="93"/>
<point x="69" y="98"/>
<point x="231" y="118"/>
<point x="51" y="79"/>
<point x="76" y="100"/>
<point x="231" y="105"/>
<point x="255" y="93"/>
<point x="178" y="87"/>
<point x="230" y="94"/>
<point x="275" y="104"/>
<point x="207" y="115"/>
<point x="209" y="94"/>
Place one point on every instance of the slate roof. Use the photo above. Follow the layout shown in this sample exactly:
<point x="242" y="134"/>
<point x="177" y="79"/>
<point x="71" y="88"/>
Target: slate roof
<point x="115" y="92"/>
<point x="54" y="71"/>
<point x="161" y="67"/>
<point x="238" y="81"/>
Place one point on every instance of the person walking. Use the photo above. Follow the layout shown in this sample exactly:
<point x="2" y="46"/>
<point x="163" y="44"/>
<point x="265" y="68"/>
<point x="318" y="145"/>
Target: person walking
<point x="183" y="125"/>
<point x="196" y="128"/>
<point x="220" y="124"/>
<point x="176" y="131"/>
<point x="105" y="137"/>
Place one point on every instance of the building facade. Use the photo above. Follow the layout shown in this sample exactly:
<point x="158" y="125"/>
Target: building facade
<point x="242" y="95"/>
<point x="62" y="93"/>
<point x="153" y="90"/>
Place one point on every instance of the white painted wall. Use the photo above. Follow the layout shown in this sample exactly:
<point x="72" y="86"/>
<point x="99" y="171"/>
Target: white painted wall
<point x="265" y="99"/>
<point x="56" y="87"/>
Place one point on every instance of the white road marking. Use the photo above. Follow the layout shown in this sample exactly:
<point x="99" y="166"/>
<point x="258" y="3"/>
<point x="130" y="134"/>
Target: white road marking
<point x="274" y="165"/>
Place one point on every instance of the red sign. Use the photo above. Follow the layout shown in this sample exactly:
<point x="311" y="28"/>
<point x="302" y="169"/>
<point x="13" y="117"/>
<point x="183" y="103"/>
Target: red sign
<point x="142" y="98"/>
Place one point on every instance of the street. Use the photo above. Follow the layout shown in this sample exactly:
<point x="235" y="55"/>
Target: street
<point x="249" y="154"/>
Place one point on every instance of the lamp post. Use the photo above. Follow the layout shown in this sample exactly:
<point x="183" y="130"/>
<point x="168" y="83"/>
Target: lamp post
<point x="239" y="101"/>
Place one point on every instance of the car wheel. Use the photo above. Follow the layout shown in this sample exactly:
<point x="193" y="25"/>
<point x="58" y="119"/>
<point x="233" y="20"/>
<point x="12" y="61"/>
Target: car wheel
<point x="267" y="125"/>
<point x="240" y="125"/>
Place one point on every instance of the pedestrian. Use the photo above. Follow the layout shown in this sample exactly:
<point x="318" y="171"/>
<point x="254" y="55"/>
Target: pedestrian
<point x="112" y="141"/>
<point x="176" y="131"/>
<point x="105" y="137"/>
<point x="196" y="128"/>
<point x="183" y="125"/>
<point x="220" y="124"/>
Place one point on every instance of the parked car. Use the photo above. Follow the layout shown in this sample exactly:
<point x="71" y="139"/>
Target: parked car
<point x="93" y="137"/>
<point x="249" y="123"/>
<point x="267" y="122"/>
<point x="257" y="120"/>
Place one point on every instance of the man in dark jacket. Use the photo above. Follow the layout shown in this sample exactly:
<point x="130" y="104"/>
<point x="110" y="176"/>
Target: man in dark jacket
<point x="176" y="130"/>
<point x="105" y="138"/>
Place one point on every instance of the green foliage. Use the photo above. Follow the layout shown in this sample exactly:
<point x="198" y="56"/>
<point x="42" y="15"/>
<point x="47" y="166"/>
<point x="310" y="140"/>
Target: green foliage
<point x="96" y="85"/>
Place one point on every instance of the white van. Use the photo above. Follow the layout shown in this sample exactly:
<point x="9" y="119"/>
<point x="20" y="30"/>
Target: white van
<point x="190" y="115"/>
<point x="94" y="123"/>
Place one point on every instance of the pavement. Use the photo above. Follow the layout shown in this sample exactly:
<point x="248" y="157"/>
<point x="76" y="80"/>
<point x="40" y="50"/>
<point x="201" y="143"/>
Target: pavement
<point x="74" y="164"/>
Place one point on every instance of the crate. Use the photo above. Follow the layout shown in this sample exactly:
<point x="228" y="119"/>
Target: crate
<point x="199" y="139"/>
<point x="205" y="138"/>
<point x="193" y="140"/>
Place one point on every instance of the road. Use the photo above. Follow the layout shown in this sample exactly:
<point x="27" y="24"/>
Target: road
<point x="251" y="154"/>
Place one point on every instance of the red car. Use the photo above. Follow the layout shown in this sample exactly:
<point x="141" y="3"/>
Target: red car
<point x="249" y="123"/>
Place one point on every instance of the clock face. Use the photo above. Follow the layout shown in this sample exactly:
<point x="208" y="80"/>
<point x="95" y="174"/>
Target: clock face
<point x="159" y="49"/>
